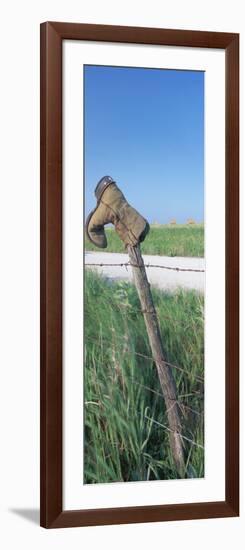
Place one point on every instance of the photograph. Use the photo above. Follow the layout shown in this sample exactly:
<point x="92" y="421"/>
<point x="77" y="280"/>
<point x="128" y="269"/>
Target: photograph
<point x="144" y="274"/>
<point x="139" y="320"/>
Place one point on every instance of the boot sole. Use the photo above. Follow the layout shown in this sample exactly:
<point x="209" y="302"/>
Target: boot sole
<point x="86" y="227"/>
<point x="99" y="190"/>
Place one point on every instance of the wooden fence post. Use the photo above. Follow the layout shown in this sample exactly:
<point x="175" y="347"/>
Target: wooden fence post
<point x="164" y="371"/>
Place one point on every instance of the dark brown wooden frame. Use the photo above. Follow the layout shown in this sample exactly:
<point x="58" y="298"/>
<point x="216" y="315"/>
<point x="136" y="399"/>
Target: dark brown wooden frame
<point x="52" y="35"/>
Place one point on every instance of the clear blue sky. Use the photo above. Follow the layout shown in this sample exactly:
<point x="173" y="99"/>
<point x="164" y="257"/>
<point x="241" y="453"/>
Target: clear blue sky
<point x="145" y="128"/>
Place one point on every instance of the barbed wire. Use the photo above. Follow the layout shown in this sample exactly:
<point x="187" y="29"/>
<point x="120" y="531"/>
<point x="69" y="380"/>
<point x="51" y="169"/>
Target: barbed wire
<point x="128" y="264"/>
<point x="174" y="432"/>
<point x="194" y="443"/>
<point x="191" y="394"/>
<point x="159" y="394"/>
<point x="197" y="377"/>
<point x="125" y="340"/>
<point x="131" y="310"/>
<point x="177" y="401"/>
<point x="149" y="358"/>
<point x="194" y="411"/>
<point x="164" y="362"/>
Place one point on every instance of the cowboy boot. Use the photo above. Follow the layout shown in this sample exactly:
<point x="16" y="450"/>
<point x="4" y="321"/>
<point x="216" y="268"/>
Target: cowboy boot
<point x="112" y="207"/>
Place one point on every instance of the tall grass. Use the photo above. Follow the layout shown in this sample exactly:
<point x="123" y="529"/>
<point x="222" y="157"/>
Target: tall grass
<point x="164" y="240"/>
<point x="123" y="403"/>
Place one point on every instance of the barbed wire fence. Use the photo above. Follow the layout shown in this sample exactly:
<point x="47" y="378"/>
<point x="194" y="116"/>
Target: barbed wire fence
<point x="163" y="363"/>
<point x="181" y="404"/>
<point x="128" y="264"/>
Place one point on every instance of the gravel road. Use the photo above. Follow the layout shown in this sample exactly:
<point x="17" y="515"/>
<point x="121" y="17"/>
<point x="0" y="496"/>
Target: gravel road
<point x="161" y="278"/>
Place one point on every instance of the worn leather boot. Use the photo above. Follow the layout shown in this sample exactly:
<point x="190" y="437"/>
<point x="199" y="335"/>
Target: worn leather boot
<point x="112" y="207"/>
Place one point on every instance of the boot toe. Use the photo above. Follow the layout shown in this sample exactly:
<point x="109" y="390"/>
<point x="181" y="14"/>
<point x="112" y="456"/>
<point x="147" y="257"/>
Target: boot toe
<point x="98" y="239"/>
<point x="95" y="233"/>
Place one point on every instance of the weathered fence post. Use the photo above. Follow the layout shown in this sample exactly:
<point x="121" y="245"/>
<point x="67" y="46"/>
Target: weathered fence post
<point x="164" y="371"/>
<point x="112" y="207"/>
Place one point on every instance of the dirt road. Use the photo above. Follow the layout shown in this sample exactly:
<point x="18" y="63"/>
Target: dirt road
<point x="161" y="278"/>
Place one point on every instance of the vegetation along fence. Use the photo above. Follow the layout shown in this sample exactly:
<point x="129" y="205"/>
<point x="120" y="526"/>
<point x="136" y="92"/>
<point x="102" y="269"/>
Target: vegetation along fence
<point x="175" y="405"/>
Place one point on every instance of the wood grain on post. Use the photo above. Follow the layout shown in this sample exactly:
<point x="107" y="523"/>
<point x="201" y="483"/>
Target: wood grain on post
<point x="164" y="371"/>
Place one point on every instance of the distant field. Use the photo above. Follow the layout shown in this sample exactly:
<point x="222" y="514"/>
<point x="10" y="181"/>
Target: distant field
<point x="164" y="240"/>
<point x="124" y="413"/>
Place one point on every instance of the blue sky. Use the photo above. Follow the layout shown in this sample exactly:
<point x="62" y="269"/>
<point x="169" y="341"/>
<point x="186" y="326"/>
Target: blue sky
<point x="145" y="128"/>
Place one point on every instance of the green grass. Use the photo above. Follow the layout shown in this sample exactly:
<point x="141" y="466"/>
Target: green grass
<point x="123" y="398"/>
<point x="164" y="240"/>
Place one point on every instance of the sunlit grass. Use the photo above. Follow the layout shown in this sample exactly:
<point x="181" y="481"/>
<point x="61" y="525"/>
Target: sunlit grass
<point x="164" y="240"/>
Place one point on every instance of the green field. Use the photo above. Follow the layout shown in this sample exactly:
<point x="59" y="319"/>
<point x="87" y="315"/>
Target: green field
<point x="125" y="415"/>
<point x="164" y="240"/>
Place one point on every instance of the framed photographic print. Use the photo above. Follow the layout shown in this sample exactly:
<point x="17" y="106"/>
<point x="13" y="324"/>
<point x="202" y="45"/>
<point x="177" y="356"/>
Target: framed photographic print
<point x="139" y="274"/>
